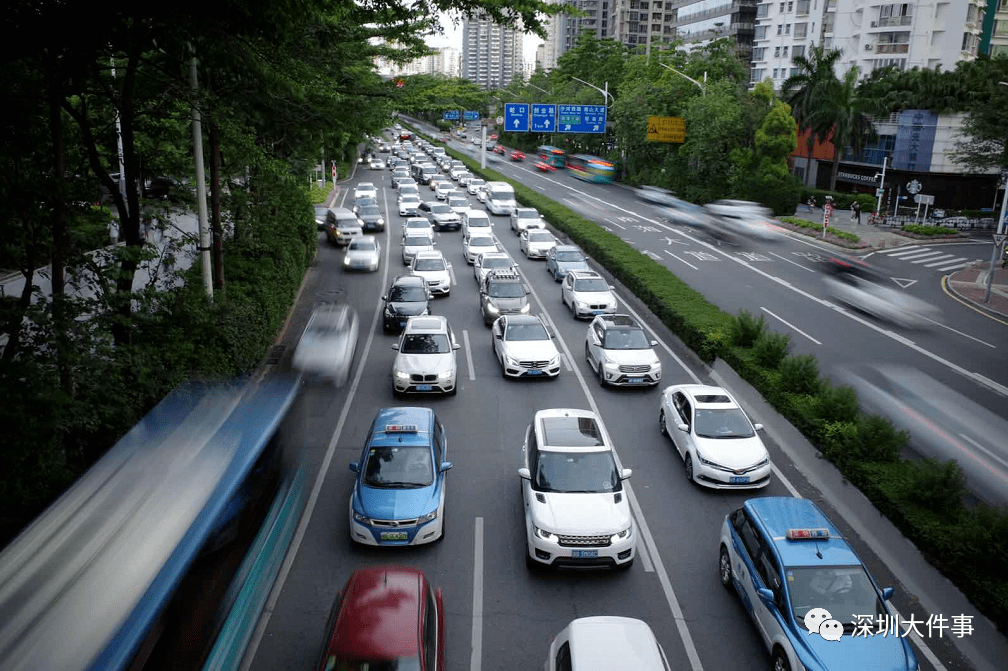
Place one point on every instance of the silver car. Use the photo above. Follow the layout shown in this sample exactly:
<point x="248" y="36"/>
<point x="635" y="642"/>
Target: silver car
<point x="586" y="293"/>
<point x="415" y="242"/>
<point x="417" y="225"/>
<point x="524" y="347"/>
<point x="409" y="205"/>
<point x="425" y="362"/>
<point x="434" y="269"/>
<point x="488" y="261"/>
<point x="458" y="203"/>
<point x="620" y="353"/>
<point x="524" y="218"/>
<point x="536" y="243"/>
<point x="443" y="217"/>
<point x="476" y="244"/>
<point x="474" y="185"/>
<point x="326" y="348"/>
<point x="476" y="220"/>
<point x="363" y="253"/>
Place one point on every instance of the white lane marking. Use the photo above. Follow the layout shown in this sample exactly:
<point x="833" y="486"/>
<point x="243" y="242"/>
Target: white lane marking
<point x="868" y="254"/>
<point x="451" y="273"/>
<point x="944" y="258"/>
<point x="645" y="558"/>
<point x="958" y="332"/>
<point x="902" y="252"/>
<point x="476" y="658"/>
<point x="681" y="260"/>
<point x="689" y="371"/>
<point x="935" y="662"/>
<point x="787" y="483"/>
<point x="790" y="325"/>
<point x="907" y="257"/>
<point x="621" y="226"/>
<point x="566" y="362"/>
<point x="922" y="258"/>
<point x="945" y="261"/>
<point x="784" y="258"/>
<point x="465" y="339"/>
<point x="1004" y="464"/>
<point x="306" y="515"/>
<point x="642" y="526"/>
<point x="954" y="266"/>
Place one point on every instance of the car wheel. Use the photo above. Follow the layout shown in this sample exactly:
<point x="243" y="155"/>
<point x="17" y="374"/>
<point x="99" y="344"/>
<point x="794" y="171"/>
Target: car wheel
<point x="724" y="568"/>
<point x="779" y="661"/>
<point x="588" y="357"/>
<point x="661" y="422"/>
<point x="689" y="467"/>
<point x="601" y="375"/>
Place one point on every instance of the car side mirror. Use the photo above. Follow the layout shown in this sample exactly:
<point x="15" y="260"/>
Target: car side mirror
<point x="654" y="343"/>
<point x="456" y="346"/>
<point x="445" y="465"/>
<point x="527" y="289"/>
<point x="758" y="426"/>
<point x="394" y="346"/>
<point x="626" y="473"/>
<point x="524" y="473"/>
<point x="499" y="336"/>
<point x="887" y="593"/>
<point x="355" y="467"/>
<point x="612" y="288"/>
<point x="682" y="426"/>
<point x="766" y="596"/>
<point x="384" y="297"/>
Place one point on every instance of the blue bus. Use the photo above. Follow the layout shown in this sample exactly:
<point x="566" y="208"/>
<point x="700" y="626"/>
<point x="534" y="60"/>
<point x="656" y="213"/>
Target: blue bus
<point x="591" y="168"/>
<point x="552" y="156"/>
<point x="163" y="553"/>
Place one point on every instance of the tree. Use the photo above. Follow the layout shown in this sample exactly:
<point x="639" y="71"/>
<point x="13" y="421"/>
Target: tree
<point x="984" y="145"/>
<point x="849" y="114"/>
<point x="805" y="92"/>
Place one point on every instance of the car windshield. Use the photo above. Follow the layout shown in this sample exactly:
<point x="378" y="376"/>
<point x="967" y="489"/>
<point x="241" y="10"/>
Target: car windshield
<point x="408" y="663"/>
<point x="398" y="466"/>
<point x="528" y="214"/>
<point x="722" y="423"/>
<point x="370" y="211"/>
<point x="480" y="241"/>
<point x="526" y="332"/>
<point x="496" y="262"/>
<point x="569" y="256"/>
<point x="418" y="241"/>
<point x="440" y="208"/>
<point x="626" y="339"/>
<point x="429" y="264"/>
<point x="506" y="290"/>
<point x="425" y="343"/>
<point x="479" y="222"/>
<point x="364" y="245"/>
<point x="501" y="195"/>
<point x="845" y="591"/>
<point x="456" y="202"/>
<point x="540" y="236"/>
<point x="364" y="201"/>
<point x="348" y="223"/>
<point x="576" y="472"/>
<point x="327" y="325"/>
<point x="476" y="182"/>
<point x="407" y="294"/>
<point x="593" y="284"/>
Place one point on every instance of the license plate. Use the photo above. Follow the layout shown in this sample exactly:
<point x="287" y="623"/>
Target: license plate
<point x="393" y="535"/>
<point x="739" y="479"/>
<point x="584" y="554"/>
<point x="598" y="312"/>
<point x="423" y="387"/>
<point x="535" y="372"/>
<point x="635" y="380"/>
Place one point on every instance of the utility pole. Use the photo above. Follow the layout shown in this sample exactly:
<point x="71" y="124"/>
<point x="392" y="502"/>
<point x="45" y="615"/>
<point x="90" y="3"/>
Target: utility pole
<point x="119" y="145"/>
<point x="1002" y="216"/>
<point x="204" y="227"/>
<point x="878" y="206"/>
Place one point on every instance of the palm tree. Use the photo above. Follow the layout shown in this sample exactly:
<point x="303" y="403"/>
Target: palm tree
<point x="804" y="91"/>
<point x="848" y="114"/>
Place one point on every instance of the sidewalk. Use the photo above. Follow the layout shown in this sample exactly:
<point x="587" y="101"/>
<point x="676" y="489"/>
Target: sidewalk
<point x="877" y="237"/>
<point x="970" y="285"/>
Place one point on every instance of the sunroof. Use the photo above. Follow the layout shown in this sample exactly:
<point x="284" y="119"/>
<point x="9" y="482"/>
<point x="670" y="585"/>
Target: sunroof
<point x="571" y="432"/>
<point x="712" y="398"/>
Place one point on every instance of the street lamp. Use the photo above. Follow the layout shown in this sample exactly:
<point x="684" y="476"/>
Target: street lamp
<point x="604" y="92"/>
<point x="549" y="93"/>
<point x="702" y="87"/>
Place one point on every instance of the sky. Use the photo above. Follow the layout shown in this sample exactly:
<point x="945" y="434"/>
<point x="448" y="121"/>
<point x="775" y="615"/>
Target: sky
<point x="453" y="38"/>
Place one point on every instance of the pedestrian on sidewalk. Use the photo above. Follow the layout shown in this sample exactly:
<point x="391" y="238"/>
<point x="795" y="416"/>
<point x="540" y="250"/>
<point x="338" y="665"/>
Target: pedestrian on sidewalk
<point x="856" y="212"/>
<point x="113" y="229"/>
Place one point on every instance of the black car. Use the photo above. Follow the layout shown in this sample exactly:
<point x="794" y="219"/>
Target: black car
<point x="163" y="188"/>
<point x="363" y="201"/>
<point x="407" y="297"/>
<point x="371" y="218"/>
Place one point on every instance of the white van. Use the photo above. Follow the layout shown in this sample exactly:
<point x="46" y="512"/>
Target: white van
<point x="500" y="198"/>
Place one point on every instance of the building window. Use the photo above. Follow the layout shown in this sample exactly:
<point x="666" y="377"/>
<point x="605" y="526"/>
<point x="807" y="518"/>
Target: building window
<point x="798" y="51"/>
<point x="790" y="6"/>
<point x="776" y="52"/>
<point x="763" y="10"/>
<point x="1001" y="27"/>
<point x="761" y="32"/>
<point x="780" y="27"/>
<point x="775" y="72"/>
<point x="784" y="52"/>
<point x="758" y="53"/>
<point x="787" y="29"/>
<point x="781" y="8"/>
<point x="794" y="71"/>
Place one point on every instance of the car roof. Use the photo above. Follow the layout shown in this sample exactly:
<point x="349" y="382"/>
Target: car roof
<point x="617" y="321"/>
<point x="570" y="430"/>
<point x="413" y="220"/>
<point x="427" y="324"/>
<point x="409" y="279"/>
<point x="380" y="612"/>
<point x="503" y="275"/>
<point x="478" y="214"/>
<point x="389" y="424"/>
<point x="606" y="642"/>
<point x="707" y="396"/>
<point x="566" y="248"/>
<point x="429" y="254"/>
<point x="526" y="209"/>
<point x="365" y="184"/>
<point x="493" y="255"/>
<point x="775" y="515"/>
<point x="584" y="275"/>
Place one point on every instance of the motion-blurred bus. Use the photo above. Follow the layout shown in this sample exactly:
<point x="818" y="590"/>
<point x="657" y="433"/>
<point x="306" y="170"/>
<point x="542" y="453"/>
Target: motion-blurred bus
<point x="162" y="555"/>
<point x="552" y="156"/>
<point x="590" y="168"/>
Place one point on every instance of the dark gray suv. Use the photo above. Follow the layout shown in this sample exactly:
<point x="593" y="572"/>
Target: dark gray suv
<point x="502" y="293"/>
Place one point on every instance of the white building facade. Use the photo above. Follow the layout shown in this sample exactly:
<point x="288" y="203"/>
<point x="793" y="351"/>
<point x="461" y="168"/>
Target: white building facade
<point x="491" y="53"/>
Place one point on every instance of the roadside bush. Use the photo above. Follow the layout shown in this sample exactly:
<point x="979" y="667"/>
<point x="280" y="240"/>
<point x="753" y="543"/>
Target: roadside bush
<point x="771" y="348"/>
<point x="800" y="374"/>
<point x="838" y="404"/>
<point x="881" y="441"/>
<point x="938" y="486"/>
<point x="841" y="442"/>
<point x="817" y="227"/>
<point x="930" y="230"/>
<point x="746" y="329"/>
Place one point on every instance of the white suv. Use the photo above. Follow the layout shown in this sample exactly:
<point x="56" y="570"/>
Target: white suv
<point x="576" y="510"/>
<point x="425" y="362"/>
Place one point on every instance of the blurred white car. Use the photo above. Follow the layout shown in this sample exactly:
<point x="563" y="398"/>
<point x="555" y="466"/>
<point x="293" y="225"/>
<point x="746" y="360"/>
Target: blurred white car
<point x="409" y="205"/>
<point x="363" y="253"/>
<point x="414" y="243"/>
<point x="326" y="348"/>
<point x="434" y="269"/>
<point x="536" y="242"/>
<point x="476" y="244"/>
<point x="523" y="218"/>
<point x="376" y="164"/>
<point x="488" y="261"/>
<point x="443" y="189"/>
<point x="365" y="190"/>
<point x="417" y="225"/>
<point x="474" y="185"/>
<point x="476" y="220"/>
<point x="458" y="203"/>
<point x="858" y="285"/>
<point x="606" y="642"/>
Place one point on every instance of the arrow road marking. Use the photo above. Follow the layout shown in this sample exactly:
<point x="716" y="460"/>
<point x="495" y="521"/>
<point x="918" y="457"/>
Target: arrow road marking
<point x="652" y="255"/>
<point x="903" y="282"/>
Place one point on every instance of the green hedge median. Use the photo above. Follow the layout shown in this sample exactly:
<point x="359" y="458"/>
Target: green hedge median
<point x="923" y="499"/>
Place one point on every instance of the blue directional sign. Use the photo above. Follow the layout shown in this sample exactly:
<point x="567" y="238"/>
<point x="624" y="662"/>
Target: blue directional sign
<point x="581" y="118"/>
<point x="470" y="115"/>
<point x="516" y="117"/>
<point x="543" y="118"/>
<point x="450" y="115"/>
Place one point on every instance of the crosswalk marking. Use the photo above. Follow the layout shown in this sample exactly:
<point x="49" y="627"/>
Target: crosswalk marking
<point x="932" y="257"/>
<point x="945" y="262"/>
<point x="901" y="252"/>
<point x="954" y="266"/>
<point x="917" y="255"/>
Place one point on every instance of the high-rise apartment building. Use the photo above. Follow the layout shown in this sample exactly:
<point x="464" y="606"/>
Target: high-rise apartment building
<point x="697" y="22"/>
<point x="491" y="53"/>
<point x="994" y="40"/>
<point x="564" y="31"/>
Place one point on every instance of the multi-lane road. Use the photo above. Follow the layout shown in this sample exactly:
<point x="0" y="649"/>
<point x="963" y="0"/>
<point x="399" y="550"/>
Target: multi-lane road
<point x="500" y="615"/>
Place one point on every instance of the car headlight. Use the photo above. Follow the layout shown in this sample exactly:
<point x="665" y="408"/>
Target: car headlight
<point x="492" y="309"/>
<point x="381" y="221"/>
<point x="525" y="309"/>
<point x="390" y="311"/>
<point x="712" y="464"/>
<point x="423" y="519"/>
<point x="346" y="260"/>
<point x="622" y="534"/>
<point x="445" y="375"/>
<point x="545" y="535"/>
<point x="361" y="518"/>
<point x="763" y="462"/>
<point x="555" y="360"/>
<point x="511" y="361"/>
<point x="400" y="375"/>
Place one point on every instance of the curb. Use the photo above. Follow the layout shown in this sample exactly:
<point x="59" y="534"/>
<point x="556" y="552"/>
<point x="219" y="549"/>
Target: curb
<point x="947" y="284"/>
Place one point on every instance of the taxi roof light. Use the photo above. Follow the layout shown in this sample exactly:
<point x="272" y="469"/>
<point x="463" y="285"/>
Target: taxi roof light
<point x="401" y="428"/>
<point x="807" y="534"/>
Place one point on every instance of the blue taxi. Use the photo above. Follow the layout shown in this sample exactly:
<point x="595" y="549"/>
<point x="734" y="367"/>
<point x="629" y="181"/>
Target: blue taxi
<point x="398" y="496"/>
<point x="811" y="598"/>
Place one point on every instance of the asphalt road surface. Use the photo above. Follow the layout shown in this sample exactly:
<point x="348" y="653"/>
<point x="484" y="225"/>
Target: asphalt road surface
<point x="498" y="614"/>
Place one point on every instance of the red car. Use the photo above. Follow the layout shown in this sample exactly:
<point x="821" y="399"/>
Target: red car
<point x="499" y="150"/>
<point x="492" y="137"/>
<point x="386" y="617"/>
<point x="517" y="156"/>
<point x="543" y="166"/>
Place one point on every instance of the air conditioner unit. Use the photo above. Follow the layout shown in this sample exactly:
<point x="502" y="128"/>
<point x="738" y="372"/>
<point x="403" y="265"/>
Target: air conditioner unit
<point x="867" y="47"/>
<point x="874" y="24"/>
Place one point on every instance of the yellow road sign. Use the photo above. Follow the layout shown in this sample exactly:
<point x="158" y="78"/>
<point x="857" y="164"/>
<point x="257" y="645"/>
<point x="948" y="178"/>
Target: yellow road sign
<point x="666" y="129"/>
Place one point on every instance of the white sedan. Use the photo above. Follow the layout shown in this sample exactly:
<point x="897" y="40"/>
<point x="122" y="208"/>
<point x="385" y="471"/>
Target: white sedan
<point x="586" y="293"/>
<point x="474" y="185"/>
<point x="458" y="203"/>
<point x="719" y="446"/>
<point x="415" y="225"/>
<point x="409" y="205"/>
<point x="363" y="253"/>
<point x="365" y="190"/>
<point x="414" y="243"/>
<point x="535" y="242"/>
<point x="476" y="244"/>
<point x="444" y="189"/>
<point x="376" y="164"/>
<point x="524" y="347"/>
